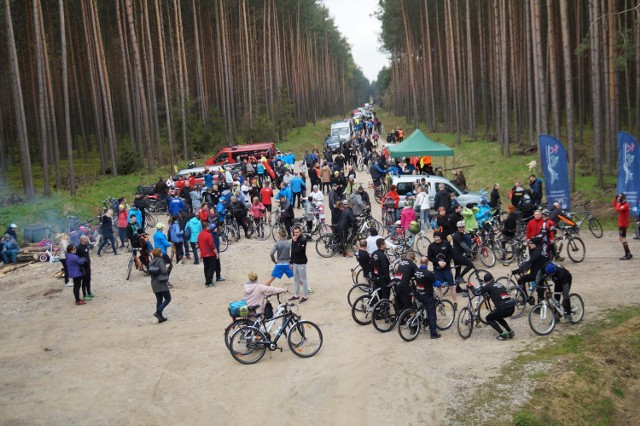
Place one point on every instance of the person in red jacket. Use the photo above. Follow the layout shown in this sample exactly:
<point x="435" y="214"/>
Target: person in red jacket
<point x="622" y="207"/>
<point x="208" y="252"/>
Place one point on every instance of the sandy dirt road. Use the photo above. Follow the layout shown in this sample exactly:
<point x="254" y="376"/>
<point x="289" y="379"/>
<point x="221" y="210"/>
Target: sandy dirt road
<point x="109" y="362"/>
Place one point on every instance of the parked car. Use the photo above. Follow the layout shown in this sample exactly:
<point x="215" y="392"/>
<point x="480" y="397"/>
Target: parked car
<point x="405" y="185"/>
<point x="333" y="142"/>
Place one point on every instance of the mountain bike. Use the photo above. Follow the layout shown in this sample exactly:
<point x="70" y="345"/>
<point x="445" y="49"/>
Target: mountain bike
<point x="385" y="313"/>
<point x="135" y="260"/>
<point x="517" y="293"/>
<point x="304" y="338"/>
<point x="576" y="249"/>
<point x="545" y="315"/>
<point x="478" y="307"/>
<point x="413" y="319"/>
<point x="362" y="307"/>
<point x="594" y="224"/>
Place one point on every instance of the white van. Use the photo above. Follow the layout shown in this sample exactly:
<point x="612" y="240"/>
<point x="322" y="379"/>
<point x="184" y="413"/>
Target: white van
<point x="344" y="130"/>
<point x="404" y="183"/>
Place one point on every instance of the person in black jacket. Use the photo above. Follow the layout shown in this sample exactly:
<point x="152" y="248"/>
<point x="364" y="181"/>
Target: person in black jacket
<point x="364" y="260"/>
<point x="562" y="278"/>
<point x="425" y="281"/>
<point x="495" y="202"/>
<point x="536" y="262"/>
<point x="440" y="254"/>
<point x="405" y="273"/>
<point x="141" y="204"/>
<point x="454" y="218"/>
<point x="505" y="306"/>
<point x="106" y="229"/>
<point x="239" y="212"/>
<point x="346" y="221"/>
<point x="380" y="265"/>
<point x="82" y="251"/>
<point x="299" y="264"/>
<point x="442" y="198"/>
<point x="461" y="253"/>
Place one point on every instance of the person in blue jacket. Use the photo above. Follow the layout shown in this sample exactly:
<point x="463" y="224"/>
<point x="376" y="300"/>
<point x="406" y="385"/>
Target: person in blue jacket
<point x="297" y="185"/>
<point x="160" y="242"/>
<point x="221" y="210"/>
<point x="194" y="227"/>
<point x="177" y="239"/>
<point x="286" y="192"/>
<point x="208" y="179"/>
<point x="484" y="212"/>
<point x="175" y="205"/>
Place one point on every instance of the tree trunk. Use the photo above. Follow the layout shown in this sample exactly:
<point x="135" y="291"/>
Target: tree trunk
<point x="553" y="70"/>
<point x="165" y="84"/>
<point x="125" y="75"/>
<point x="65" y="94"/>
<point x="139" y="82"/>
<point x="21" y="121"/>
<point x="594" y="39"/>
<point x="42" y="101"/>
<point x="568" y="89"/>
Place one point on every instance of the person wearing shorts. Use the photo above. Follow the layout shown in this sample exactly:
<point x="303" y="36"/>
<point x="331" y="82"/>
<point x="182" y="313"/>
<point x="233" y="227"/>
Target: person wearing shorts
<point x="281" y="256"/>
<point x="622" y="207"/>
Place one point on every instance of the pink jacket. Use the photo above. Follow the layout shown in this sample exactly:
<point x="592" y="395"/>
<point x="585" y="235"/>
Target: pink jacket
<point x="257" y="210"/>
<point x="406" y="217"/>
<point x="256" y="293"/>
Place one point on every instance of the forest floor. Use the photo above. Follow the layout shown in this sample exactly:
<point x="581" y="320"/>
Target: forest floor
<point x="110" y="362"/>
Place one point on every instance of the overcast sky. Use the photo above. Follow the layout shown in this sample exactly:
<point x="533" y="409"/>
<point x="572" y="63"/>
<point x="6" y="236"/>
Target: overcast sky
<point x="353" y="19"/>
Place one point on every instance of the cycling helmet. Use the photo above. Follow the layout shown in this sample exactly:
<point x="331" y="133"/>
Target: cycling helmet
<point x="545" y="212"/>
<point x="484" y="200"/>
<point x="409" y="194"/>
<point x="398" y="223"/>
<point x="460" y="224"/>
<point x="488" y="277"/>
<point x="550" y="269"/>
<point x="213" y="226"/>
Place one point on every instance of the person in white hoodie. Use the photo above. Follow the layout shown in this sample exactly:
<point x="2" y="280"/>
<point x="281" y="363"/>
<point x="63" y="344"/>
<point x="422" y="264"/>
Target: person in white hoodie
<point x="255" y="293"/>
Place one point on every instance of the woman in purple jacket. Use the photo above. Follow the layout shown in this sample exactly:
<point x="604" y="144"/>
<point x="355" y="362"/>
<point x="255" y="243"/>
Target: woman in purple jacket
<point x="74" y="266"/>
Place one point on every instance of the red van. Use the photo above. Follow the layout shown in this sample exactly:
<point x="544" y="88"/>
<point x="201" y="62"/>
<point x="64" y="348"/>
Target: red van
<point x="237" y="153"/>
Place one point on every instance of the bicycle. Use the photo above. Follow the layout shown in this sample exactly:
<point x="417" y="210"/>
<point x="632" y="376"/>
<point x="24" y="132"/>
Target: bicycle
<point x="544" y="316"/>
<point x="413" y="319"/>
<point x="385" y="313"/>
<point x="259" y="227"/>
<point x="50" y="255"/>
<point x="482" y="250"/>
<point x="594" y="224"/>
<point x="518" y="293"/>
<point x="242" y="322"/>
<point x="249" y="344"/>
<point x="576" y="249"/>
<point x="474" y="313"/>
<point x="329" y="244"/>
<point x="135" y="260"/>
<point x="362" y="307"/>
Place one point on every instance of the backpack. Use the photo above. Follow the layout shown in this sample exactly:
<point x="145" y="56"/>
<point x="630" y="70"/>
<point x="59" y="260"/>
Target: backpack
<point x="526" y="204"/>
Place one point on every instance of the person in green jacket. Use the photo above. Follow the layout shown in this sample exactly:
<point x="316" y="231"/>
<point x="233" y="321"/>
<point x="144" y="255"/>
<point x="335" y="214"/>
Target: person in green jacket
<point x="469" y="216"/>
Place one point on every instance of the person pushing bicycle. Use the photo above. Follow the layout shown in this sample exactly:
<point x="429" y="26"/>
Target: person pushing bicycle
<point x="505" y="306"/>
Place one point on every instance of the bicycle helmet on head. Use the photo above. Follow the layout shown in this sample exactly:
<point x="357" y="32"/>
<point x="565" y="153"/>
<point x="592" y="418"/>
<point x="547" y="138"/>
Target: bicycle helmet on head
<point x="487" y="277"/>
<point x="550" y="269"/>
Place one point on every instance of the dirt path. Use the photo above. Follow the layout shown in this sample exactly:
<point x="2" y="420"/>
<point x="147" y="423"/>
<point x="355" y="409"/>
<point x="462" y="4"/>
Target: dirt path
<point x="109" y="362"/>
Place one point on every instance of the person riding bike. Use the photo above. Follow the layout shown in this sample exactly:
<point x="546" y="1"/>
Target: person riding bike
<point x="461" y="252"/>
<point x="562" y="278"/>
<point x="505" y="306"/>
<point x="536" y="262"/>
<point x="425" y="282"/>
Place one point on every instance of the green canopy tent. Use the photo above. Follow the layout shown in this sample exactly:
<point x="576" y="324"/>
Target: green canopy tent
<point x="419" y="145"/>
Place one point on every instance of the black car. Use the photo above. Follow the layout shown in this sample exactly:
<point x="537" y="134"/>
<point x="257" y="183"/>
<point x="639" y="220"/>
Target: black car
<point x="333" y="142"/>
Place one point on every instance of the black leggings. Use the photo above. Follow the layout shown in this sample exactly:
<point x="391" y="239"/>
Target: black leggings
<point x="77" y="282"/>
<point x="497" y="316"/>
<point x="461" y="260"/>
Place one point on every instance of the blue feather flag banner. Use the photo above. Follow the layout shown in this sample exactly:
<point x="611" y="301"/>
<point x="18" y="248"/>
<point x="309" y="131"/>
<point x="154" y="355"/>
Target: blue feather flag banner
<point x="629" y="170"/>
<point x="554" y="166"/>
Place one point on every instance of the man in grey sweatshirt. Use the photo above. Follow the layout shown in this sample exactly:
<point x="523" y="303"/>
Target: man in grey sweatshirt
<point x="281" y="256"/>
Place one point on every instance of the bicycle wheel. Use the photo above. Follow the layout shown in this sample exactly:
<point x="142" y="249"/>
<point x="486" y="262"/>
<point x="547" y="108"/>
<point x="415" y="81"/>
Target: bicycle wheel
<point x="577" y="308"/>
<point x="275" y="231"/>
<point x="129" y="268"/>
<point x="422" y="244"/>
<point x="305" y="339"/>
<point x="576" y="249"/>
<point x="324" y="229"/>
<point x="595" y="227"/>
<point x="487" y="256"/>
<point x="445" y="314"/>
<point x="465" y="323"/>
<point x="224" y="243"/>
<point x="357" y="291"/>
<point x="476" y="277"/>
<point x="263" y="230"/>
<point x="384" y="316"/>
<point x="356" y="273"/>
<point x="326" y="246"/>
<point x="542" y="319"/>
<point x="409" y="325"/>
<point x="233" y="327"/>
<point x="150" y="221"/>
<point x="517" y="294"/>
<point x="361" y="310"/>
<point x="247" y="345"/>
<point x="485" y="309"/>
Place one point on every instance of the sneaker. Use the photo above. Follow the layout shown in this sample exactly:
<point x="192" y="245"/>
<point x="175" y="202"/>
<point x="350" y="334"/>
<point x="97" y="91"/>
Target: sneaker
<point x="87" y="298"/>
<point x="510" y="334"/>
<point x="502" y="336"/>
<point x="99" y="255"/>
<point x="196" y="263"/>
<point x="304" y="299"/>
<point x="626" y="257"/>
<point x="80" y="302"/>
<point x="68" y="284"/>
<point x="568" y="318"/>
<point x="219" y="279"/>
<point x="311" y="291"/>
<point x="188" y="257"/>
<point x="294" y="298"/>
<point x="170" y="285"/>
<point x="531" y="300"/>
<point x="455" y="306"/>
<point x="157" y="315"/>
<point x="162" y="319"/>
<point x="211" y="285"/>
<point x="436" y="336"/>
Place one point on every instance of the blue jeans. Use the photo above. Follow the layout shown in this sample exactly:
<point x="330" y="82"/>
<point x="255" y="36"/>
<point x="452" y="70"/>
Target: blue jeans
<point x="163" y="298"/>
<point x="10" y="254"/>
<point x="424" y="219"/>
<point x="195" y="253"/>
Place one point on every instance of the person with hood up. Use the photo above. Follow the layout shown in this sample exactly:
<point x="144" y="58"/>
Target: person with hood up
<point x="469" y="217"/>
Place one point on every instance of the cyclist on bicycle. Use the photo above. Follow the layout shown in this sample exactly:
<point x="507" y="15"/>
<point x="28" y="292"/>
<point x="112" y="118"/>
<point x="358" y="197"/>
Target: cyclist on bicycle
<point x="405" y="273"/>
<point x="505" y="306"/>
<point x="377" y="171"/>
<point x="380" y="265"/>
<point x="425" y="282"/>
<point x="536" y="262"/>
<point x="461" y="252"/>
<point x="562" y="278"/>
<point x="440" y="254"/>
